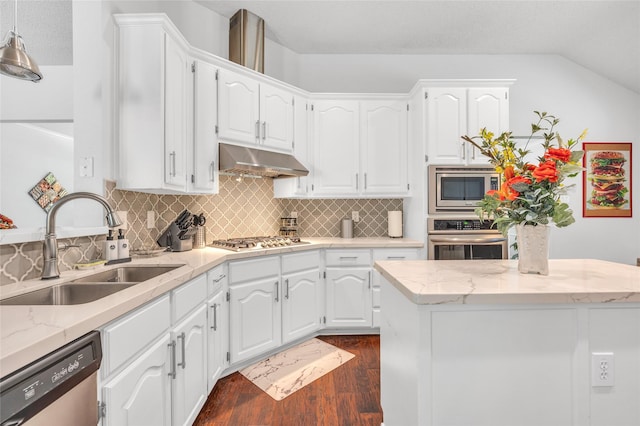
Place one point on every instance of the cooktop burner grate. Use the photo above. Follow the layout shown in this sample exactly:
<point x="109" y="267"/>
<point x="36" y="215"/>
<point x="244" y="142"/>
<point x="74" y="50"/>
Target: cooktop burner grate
<point x="248" y="243"/>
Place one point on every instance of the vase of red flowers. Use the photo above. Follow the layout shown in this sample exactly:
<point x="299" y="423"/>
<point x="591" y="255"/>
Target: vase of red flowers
<point x="530" y="193"/>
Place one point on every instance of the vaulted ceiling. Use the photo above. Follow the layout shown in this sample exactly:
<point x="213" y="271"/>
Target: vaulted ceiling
<point x="603" y="36"/>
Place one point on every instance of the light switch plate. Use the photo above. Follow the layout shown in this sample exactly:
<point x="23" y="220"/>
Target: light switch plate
<point x="86" y="167"/>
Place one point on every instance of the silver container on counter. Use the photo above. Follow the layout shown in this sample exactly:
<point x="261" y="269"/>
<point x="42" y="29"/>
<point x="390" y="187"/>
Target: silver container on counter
<point x="346" y="228"/>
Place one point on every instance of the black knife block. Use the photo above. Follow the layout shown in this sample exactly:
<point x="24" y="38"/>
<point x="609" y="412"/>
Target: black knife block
<point x="177" y="239"/>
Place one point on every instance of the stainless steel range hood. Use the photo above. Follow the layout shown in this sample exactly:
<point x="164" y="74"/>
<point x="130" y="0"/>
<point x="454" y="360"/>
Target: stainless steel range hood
<point x="246" y="40"/>
<point x="252" y="161"/>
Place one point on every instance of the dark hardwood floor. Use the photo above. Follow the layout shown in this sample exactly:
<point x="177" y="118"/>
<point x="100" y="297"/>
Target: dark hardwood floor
<point x="348" y="395"/>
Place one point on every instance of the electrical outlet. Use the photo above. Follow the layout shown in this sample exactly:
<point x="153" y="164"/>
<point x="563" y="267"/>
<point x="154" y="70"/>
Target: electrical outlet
<point x="294" y="214"/>
<point x="602" y="369"/>
<point x="123" y="219"/>
<point x="355" y="216"/>
<point x="151" y="219"/>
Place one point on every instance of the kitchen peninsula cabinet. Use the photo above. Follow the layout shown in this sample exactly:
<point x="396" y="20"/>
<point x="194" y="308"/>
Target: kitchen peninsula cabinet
<point x="165" y="126"/>
<point x="253" y="113"/>
<point x="452" y="112"/>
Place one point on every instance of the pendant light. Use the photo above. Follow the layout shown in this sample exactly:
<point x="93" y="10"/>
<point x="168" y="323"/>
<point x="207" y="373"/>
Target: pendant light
<point x="14" y="60"/>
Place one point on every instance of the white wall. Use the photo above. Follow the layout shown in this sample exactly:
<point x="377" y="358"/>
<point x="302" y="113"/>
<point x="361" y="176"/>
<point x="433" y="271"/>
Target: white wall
<point x="579" y="97"/>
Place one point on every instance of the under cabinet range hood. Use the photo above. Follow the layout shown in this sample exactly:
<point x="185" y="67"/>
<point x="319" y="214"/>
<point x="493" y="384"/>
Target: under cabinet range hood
<point x="246" y="40"/>
<point x="241" y="160"/>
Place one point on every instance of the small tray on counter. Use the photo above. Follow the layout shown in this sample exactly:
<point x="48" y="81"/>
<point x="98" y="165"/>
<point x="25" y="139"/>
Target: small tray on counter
<point x="148" y="252"/>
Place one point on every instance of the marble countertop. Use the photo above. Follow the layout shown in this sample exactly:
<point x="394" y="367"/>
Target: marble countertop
<point x="437" y="282"/>
<point x="29" y="332"/>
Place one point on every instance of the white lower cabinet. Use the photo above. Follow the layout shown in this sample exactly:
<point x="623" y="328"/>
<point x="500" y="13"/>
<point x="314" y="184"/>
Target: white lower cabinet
<point x="349" y="297"/>
<point x="303" y="295"/>
<point x="386" y="254"/>
<point x="157" y="378"/>
<point x="189" y="367"/>
<point x="141" y="393"/>
<point x="254" y="305"/>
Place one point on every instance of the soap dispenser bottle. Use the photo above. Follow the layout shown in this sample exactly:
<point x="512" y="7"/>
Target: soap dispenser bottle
<point x="110" y="248"/>
<point x="123" y="246"/>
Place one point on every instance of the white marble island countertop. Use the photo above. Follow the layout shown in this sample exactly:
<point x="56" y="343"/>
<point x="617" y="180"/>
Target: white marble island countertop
<point x="29" y="332"/>
<point x="437" y="282"/>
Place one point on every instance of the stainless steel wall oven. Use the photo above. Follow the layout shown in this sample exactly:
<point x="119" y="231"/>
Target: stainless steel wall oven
<point x="455" y="238"/>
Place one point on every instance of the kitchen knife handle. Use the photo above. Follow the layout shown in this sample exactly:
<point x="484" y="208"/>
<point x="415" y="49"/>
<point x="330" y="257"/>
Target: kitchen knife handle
<point x="277" y="292"/>
<point x="286" y="295"/>
<point x="182" y="364"/>
<point x="172" y="372"/>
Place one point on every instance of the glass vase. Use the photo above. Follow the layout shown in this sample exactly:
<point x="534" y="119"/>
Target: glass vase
<point x="533" y="249"/>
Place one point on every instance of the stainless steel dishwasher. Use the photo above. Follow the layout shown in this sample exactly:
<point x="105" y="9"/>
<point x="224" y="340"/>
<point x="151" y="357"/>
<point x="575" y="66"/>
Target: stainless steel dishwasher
<point x="57" y="389"/>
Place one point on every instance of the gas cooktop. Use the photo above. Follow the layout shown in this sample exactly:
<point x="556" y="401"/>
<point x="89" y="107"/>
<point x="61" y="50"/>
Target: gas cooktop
<point x="253" y="243"/>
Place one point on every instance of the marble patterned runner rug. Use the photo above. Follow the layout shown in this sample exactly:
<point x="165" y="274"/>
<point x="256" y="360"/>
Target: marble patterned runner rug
<point x="284" y="373"/>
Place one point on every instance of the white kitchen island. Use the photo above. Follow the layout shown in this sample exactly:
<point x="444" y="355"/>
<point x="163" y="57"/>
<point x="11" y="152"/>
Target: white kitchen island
<point x="477" y="343"/>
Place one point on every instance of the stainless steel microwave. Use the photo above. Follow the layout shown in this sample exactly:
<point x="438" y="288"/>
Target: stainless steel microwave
<point x="459" y="188"/>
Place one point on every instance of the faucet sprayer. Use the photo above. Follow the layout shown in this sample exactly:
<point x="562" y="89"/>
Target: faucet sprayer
<point x="50" y="246"/>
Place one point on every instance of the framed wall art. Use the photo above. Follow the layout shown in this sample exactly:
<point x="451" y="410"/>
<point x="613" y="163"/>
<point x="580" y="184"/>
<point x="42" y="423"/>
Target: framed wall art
<point x="606" y="179"/>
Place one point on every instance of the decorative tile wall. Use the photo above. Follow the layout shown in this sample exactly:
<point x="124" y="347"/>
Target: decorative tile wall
<point x="245" y="208"/>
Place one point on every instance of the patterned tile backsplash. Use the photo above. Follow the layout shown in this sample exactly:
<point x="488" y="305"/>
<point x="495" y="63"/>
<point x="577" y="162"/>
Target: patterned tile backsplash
<point x="245" y="208"/>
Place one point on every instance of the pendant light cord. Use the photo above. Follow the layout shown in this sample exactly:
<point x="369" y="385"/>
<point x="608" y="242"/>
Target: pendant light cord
<point x="15" y="17"/>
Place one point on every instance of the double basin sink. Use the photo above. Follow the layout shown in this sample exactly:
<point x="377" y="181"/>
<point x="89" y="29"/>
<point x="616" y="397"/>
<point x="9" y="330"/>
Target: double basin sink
<point x="90" y="288"/>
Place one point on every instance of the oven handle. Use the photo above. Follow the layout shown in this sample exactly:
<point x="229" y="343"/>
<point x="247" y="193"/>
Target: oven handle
<point x="466" y="240"/>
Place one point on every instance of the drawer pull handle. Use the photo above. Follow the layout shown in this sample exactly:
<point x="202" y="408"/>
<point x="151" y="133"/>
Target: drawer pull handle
<point x="395" y="257"/>
<point x="348" y="257"/>
<point x="172" y="372"/>
<point x="182" y="364"/>
<point x="214" y="327"/>
<point x="217" y="280"/>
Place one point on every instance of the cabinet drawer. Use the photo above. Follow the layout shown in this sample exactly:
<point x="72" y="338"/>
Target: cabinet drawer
<point x="348" y="257"/>
<point x="300" y="261"/>
<point x="188" y="296"/>
<point x="395" y="254"/>
<point x="216" y="279"/>
<point x="128" y="335"/>
<point x="248" y="270"/>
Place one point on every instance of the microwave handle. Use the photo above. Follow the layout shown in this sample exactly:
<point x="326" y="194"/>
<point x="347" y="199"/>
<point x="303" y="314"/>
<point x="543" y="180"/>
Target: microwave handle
<point x="466" y="240"/>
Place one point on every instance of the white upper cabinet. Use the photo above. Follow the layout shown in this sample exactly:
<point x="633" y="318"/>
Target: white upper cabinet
<point x="165" y="136"/>
<point x="384" y="147"/>
<point x="336" y="147"/>
<point x="452" y="112"/>
<point x="360" y="148"/>
<point x="204" y="176"/>
<point x="253" y="113"/>
<point x="239" y="108"/>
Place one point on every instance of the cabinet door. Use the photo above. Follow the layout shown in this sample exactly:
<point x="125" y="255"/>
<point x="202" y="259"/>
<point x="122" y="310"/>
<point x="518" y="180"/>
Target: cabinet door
<point x="141" y="393"/>
<point x="348" y="297"/>
<point x="384" y="147"/>
<point x="300" y="304"/>
<point x="175" y="125"/>
<point x="204" y="176"/>
<point x="255" y="318"/>
<point x="446" y="123"/>
<point x="488" y="107"/>
<point x="276" y="115"/>
<point x="299" y="186"/>
<point x="190" y="384"/>
<point x="335" y="147"/>
<point x="238" y="108"/>
<point x="218" y="339"/>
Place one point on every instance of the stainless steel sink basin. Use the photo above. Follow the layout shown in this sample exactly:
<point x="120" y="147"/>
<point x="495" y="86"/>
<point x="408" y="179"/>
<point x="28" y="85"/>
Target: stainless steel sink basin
<point x="66" y="294"/>
<point x="127" y="274"/>
<point x="90" y="288"/>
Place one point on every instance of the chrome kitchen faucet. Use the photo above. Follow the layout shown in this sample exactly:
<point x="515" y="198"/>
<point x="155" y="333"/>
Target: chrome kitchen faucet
<point x="50" y="246"/>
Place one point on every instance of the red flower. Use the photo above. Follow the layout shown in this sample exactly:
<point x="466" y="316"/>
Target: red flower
<point x="561" y="154"/>
<point x="546" y="171"/>
<point x="508" y="173"/>
<point x="529" y="167"/>
<point x="505" y="193"/>
<point x="518" y="179"/>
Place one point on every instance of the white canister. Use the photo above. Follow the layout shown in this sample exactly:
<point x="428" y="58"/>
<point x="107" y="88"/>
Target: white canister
<point x="394" y="226"/>
<point x="346" y="228"/>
